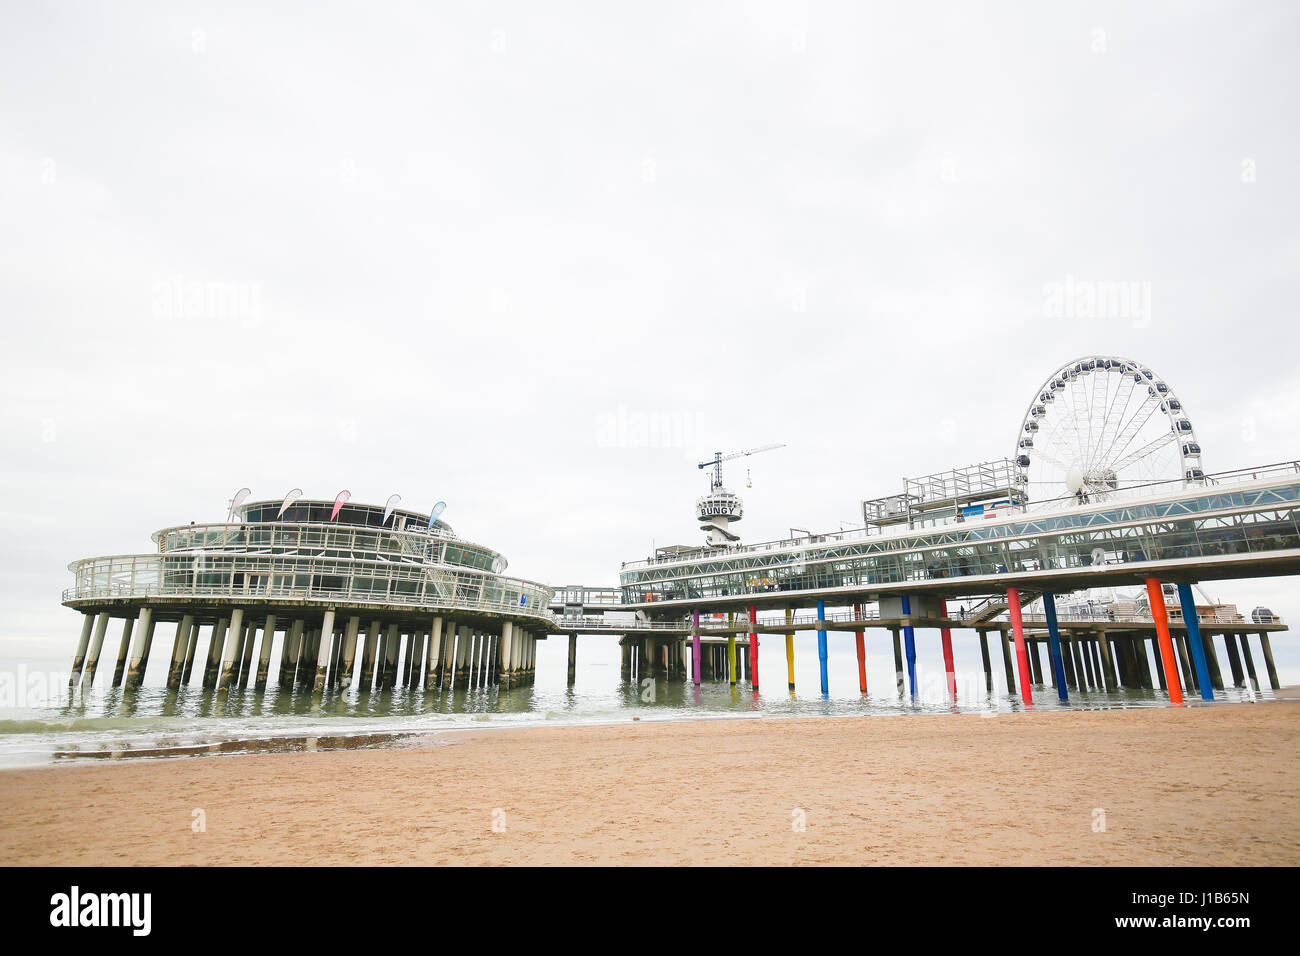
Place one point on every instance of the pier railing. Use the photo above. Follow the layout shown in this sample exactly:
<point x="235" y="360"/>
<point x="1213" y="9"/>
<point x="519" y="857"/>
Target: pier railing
<point x="1152" y="491"/>
<point x="459" y="590"/>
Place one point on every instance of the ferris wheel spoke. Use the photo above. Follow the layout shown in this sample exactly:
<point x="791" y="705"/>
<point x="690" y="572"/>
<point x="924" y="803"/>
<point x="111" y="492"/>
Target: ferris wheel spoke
<point x="1146" y="450"/>
<point x="1112" y="421"/>
<point x="1132" y="429"/>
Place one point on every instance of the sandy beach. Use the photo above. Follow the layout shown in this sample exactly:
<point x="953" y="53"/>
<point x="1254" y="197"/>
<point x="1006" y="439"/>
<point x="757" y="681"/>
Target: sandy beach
<point x="1212" y="785"/>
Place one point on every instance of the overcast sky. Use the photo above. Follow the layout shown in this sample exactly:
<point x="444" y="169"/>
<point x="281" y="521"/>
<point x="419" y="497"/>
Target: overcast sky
<point x="471" y="251"/>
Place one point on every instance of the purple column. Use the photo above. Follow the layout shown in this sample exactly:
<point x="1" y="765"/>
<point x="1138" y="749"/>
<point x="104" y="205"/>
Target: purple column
<point x="695" y="646"/>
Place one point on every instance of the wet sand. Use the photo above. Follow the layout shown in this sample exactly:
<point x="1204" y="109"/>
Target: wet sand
<point x="1203" y="785"/>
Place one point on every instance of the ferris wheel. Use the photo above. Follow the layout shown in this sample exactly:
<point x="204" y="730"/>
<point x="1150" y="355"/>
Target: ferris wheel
<point x="1103" y="423"/>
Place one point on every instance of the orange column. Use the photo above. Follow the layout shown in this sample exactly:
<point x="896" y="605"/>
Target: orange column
<point x="1022" y="657"/>
<point x="1160" y="615"/>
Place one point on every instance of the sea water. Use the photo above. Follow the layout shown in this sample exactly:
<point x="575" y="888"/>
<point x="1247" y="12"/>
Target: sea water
<point x="43" y="721"/>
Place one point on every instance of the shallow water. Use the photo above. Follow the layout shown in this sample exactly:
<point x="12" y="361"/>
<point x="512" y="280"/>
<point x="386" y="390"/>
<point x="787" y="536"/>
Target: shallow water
<point x="41" y="721"/>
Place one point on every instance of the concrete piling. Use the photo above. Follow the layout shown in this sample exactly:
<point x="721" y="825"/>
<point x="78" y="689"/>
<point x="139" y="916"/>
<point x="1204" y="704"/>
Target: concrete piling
<point x="119" y="668"/>
<point x="230" y="649"/>
<point x="1268" y="659"/>
<point x="180" y="645"/>
<point x="984" y="659"/>
<point x="1234" y="659"/>
<point x="900" y="679"/>
<point x="191" y="646"/>
<point x="216" y="640"/>
<point x="246" y="655"/>
<point x="1249" y="659"/>
<point x="351" y="630"/>
<point x="88" y="621"/>
<point x="92" y="656"/>
<point x="1006" y="658"/>
<point x="264" y="653"/>
<point x="323" y="652"/>
<point x="434" y="659"/>
<point x="140" y="655"/>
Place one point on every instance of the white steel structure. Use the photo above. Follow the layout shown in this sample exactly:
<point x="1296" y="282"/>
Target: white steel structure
<point x="1102" y="423"/>
<point x="344" y="581"/>
<point x="721" y="508"/>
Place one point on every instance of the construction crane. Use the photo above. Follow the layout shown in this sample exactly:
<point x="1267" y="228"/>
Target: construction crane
<point x="718" y="458"/>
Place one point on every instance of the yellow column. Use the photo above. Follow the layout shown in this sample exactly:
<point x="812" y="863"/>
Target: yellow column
<point x="789" y="646"/>
<point x="731" y="648"/>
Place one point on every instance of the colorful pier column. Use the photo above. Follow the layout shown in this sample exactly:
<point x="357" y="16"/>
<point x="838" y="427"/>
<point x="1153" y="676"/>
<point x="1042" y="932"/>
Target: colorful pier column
<point x="862" y="651"/>
<point x="695" y="647"/>
<point x="1156" y="595"/>
<point x="1054" y="645"/>
<point x="949" y="665"/>
<point x="732" y="668"/>
<point x="909" y="645"/>
<point x="789" y="646"/>
<point x="753" y="647"/>
<point x="1022" y="656"/>
<point x="1195" y="644"/>
<point x="821" y="644"/>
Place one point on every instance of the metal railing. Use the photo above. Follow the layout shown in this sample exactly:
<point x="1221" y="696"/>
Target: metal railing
<point x="502" y="595"/>
<point x="1065" y="505"/>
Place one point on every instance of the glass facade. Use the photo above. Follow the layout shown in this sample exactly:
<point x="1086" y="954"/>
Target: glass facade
<point x="1208" y="524"/>
<point x="303" y="556"/>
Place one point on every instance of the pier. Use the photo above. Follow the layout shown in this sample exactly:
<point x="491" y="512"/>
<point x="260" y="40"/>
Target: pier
<point x="328" y="597"/>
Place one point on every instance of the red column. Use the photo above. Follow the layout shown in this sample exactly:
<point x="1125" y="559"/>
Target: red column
<point x="1022" y="656"/>
<point x="1160" y="615"/>
<point x="862" y="652"/>
<point x="945" y="635"/>
<point x="753" y="647"/>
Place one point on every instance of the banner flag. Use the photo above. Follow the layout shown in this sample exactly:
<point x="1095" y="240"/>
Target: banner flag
<point x="289" y="499"/>
<point x="339" y="502"/>
<point x="236" y="501"/>
<point x="388" y="508"/>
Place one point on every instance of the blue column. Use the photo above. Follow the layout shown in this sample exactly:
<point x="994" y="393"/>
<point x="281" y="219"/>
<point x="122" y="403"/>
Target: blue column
<point x="1054" y="645"/>
<point x="821" y="643"/>
<point x="1194" y="639"/>
<point x="909" y="645"/>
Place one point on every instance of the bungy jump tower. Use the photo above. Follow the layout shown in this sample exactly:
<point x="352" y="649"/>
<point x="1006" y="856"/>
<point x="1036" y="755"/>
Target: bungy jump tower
<point x="336" y="578"/>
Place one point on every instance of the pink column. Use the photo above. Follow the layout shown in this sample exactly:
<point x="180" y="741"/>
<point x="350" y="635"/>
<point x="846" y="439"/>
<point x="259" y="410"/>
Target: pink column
<point x="753" y="647"/>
